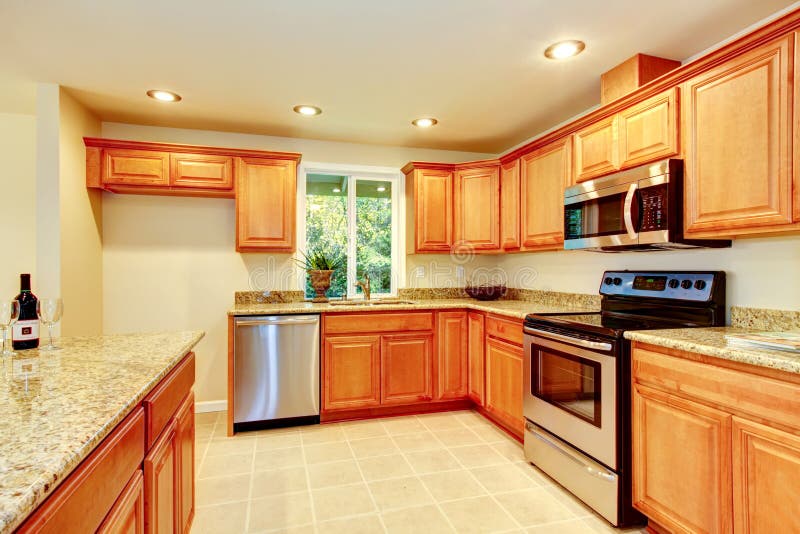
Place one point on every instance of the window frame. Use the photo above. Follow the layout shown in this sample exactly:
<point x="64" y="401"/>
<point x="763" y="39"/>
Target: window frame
<point x="353" y="173"/>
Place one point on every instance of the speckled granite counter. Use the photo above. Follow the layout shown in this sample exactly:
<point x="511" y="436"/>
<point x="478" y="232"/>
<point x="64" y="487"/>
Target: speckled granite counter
<point x="711" y="342"/>
<point x="70" y="401"/>
<point x="510" y="308"/>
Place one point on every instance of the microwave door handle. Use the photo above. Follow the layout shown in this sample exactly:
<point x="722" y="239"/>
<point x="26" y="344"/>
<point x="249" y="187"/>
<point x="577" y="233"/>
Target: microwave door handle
<point x="629" y="198"/>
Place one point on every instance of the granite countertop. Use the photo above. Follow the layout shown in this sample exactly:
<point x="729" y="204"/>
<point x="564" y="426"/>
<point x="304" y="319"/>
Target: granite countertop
<point x="71" y="400"/>
<point x="712" y="342"/>
<point x="510" y="308"/>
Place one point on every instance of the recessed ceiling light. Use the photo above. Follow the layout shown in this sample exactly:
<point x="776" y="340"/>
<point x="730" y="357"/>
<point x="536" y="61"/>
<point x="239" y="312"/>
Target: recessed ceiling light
<point x="426" y="122"/>
<point x="164" y="96"/>
<point x="380" y="189"/>
<point x="307" y="110"/>
<point x="337" y="190"/>
<point x="564" y="49"/>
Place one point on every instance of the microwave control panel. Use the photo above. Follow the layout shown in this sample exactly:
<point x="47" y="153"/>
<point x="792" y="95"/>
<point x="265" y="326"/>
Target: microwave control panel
<point x="654" y="206"/>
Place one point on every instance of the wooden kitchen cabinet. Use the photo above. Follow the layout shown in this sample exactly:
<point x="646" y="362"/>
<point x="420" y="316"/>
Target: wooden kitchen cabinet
<point x="737" y="127"/>
<point x="544" y="174"/>
<point x="596" y="151"/>
<point x="429" y="203"/>
<point x="351" y="372"/>
<point x="184" y="428"/>
<point x="266" y="191"/>
<point x="674" y="438"/>
<point x="406" y="366"/>
<point x="734" y="427"/>
<point x="766" y="470"/>
<point x="452" y="367"/>
<point x="162" y="483"/>
<point x="477" y="362"/>
<point x="135" y="167"/>
<point x="209" y="171"/>
<point x="477" y="206"/>
<point x="504" y="383"/>
<point x="127" y="515"/>
<point x="649" y="130"/>
<point x="510" y="194"/>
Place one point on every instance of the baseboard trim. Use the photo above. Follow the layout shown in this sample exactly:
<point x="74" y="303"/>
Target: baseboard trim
<point x="210" y="406"/>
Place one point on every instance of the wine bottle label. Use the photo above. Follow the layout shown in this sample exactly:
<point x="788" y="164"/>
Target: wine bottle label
<point x="25" y="330"/>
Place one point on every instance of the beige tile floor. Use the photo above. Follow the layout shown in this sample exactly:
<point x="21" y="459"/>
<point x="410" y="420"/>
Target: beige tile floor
<point x="452" y="472"/>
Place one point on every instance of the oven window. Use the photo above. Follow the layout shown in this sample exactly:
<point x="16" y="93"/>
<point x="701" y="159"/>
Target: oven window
<point x="597" y="217"/>
<point x="567" y="382"/>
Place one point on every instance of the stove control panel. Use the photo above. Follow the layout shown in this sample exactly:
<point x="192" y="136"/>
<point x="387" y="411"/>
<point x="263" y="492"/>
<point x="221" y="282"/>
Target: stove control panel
<point x="673" y="285"/>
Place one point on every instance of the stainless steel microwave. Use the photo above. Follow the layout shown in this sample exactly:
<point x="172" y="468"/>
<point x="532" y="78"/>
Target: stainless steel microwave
<point x="637" y="209"/>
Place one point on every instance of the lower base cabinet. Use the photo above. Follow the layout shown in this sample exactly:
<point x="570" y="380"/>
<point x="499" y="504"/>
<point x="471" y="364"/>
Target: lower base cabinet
<point x="504" y="383"/>
<point x="161" y="479"/>
<point x="127" y="515"/>
<point x="477" y="360"/>
<point x="406" y="365"/>
<point x="716" y="449"/>
<point x="351" y="372"/>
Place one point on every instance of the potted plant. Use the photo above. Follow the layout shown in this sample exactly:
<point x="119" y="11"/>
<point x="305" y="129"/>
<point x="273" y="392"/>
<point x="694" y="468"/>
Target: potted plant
<point x="320" y="266"/>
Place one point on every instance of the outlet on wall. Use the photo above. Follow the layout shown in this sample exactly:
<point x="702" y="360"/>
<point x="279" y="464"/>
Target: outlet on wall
<point x="419" y="271"/>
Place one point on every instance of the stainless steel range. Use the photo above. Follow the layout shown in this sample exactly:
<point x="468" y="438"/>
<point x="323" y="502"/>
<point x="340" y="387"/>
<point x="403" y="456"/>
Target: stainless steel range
<point x="577" y="380"/>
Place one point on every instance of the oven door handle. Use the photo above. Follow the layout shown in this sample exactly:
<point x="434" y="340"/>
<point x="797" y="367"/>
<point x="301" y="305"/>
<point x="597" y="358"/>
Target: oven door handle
<point x="629" y="197"/>
<point x="585" y="343"/>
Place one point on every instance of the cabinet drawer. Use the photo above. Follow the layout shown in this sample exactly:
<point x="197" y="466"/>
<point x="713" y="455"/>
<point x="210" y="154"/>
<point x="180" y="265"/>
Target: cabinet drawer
<point x="363" y="323"/>
<point x="162" y="403"/>
<point x="734" y="391"/>
<point x="201" y="170"/>
<point x="505" y="329"/>
<point x="84" y="499"/>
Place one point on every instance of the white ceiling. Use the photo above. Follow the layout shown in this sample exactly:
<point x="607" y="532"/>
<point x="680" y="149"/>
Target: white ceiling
<point x="372" y="65"/>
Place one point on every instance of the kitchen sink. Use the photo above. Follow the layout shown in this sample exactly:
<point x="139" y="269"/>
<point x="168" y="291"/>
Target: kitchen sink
<point x="379" y="302"/>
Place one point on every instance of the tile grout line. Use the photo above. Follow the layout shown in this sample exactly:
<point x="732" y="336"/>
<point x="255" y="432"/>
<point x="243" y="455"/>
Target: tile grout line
<point x="308" y="483"/>
<point x="248" y="513"/>
<point x="364" y="480"/>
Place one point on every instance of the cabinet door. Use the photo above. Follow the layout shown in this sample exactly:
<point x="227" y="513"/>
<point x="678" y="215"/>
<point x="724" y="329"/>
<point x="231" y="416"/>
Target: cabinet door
<point x="596" y="151"/>
<point x="451" y="355"/>
<point x="477" y="362"/>
<point x="265" y="205"/>
<point x="433" y="210"/>
<point x="185" y="438"/>
<point x="477" y="208"/>
<point x="681" y="463"/>
<point x="161" y="484"/>
<point x="766" y="468"/>
<point x="135" y="167"/>
<point x="127" y="515"/>
<point x="406" y="368"/>
<point x="509" y="205"/>
<point x="206" y="171"/>
<point x="351" y="372"/>
<point x="736" y="125"/>
<point x="504" y="383"/>
<point x="649" y="131"/>
<point x="544" y="174"/>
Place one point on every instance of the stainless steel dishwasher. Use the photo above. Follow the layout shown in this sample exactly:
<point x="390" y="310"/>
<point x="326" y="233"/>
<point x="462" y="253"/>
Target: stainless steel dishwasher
<point x="276" y="371"/>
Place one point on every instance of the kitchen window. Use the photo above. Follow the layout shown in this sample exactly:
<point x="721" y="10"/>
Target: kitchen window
<point x="355" y="213"/>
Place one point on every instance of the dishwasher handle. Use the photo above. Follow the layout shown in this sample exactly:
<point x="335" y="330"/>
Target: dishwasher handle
<point x="280" y="320"/>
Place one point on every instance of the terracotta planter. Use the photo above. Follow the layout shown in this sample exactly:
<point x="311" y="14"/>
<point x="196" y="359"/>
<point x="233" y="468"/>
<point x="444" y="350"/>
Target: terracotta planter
<point x="321" y="282"/>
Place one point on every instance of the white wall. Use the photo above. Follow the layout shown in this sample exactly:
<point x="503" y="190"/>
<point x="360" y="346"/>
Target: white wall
<point x="17" y="200"/>
<point x="170" y="263"/>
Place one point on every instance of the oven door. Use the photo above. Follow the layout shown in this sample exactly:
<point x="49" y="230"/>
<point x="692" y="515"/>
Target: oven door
<point x="571" y="392"/>
<point x="606" y="217"/>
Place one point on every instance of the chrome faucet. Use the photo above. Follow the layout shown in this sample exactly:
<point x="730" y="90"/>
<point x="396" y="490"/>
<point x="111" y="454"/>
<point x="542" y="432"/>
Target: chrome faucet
<point x="364" y="285"/>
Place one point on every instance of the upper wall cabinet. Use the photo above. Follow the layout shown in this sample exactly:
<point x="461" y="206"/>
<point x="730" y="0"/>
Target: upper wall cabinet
<point x="644" y="132"/>
<point x="544" y="173"/>
<point x="509" y="205"/>
<point x="122" y="166"/>
<point x="266" y="192"/>
<point x="201" y="170"/>
<point x="429" y="206"/>
<point x="737" y="124"/>
<point x="477" y="206"/>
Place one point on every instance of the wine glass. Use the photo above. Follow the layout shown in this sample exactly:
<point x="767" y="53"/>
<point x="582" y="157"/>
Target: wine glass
<point x="9" y="313"/>
<point x="50" y="311"/>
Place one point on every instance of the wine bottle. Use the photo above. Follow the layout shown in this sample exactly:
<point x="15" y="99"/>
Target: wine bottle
<point x="25" y="332"/>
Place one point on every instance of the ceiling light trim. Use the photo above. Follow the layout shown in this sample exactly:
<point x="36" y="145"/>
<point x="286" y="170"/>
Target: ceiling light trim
<point x="564" y="49"/>
<point x="307" y="110"/>
<point x="425" y="122"/>
<point x="162" y="95"/>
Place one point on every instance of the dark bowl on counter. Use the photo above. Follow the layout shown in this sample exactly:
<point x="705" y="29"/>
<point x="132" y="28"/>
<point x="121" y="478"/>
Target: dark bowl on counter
<point x="486" y="292"/>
